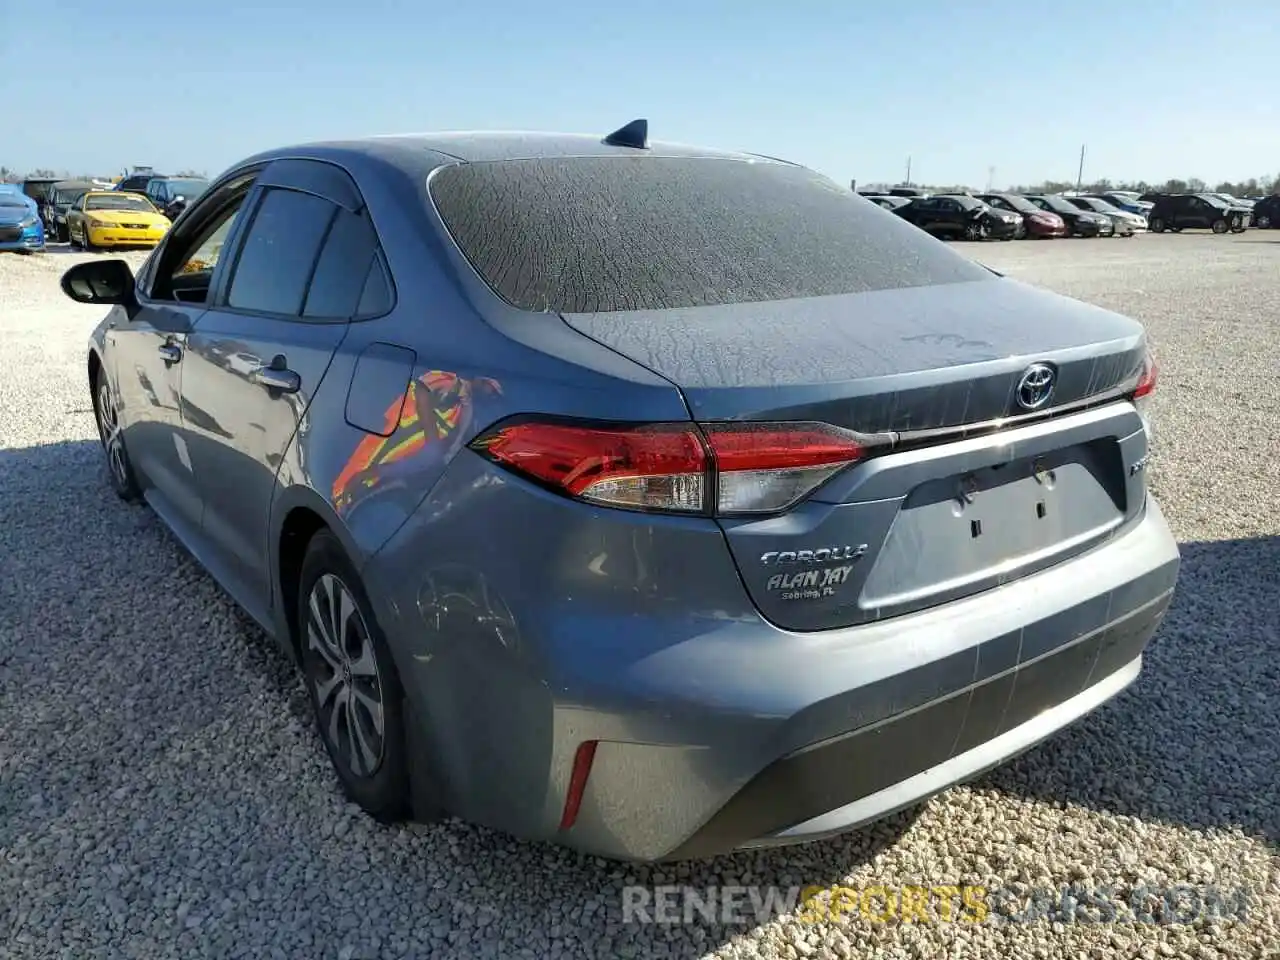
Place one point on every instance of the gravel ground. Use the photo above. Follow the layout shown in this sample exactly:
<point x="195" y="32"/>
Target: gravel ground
<point x="162" y="793"/>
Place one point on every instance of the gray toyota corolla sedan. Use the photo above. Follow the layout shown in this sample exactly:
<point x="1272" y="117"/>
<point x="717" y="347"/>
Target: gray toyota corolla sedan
<point x="647" y="499"/>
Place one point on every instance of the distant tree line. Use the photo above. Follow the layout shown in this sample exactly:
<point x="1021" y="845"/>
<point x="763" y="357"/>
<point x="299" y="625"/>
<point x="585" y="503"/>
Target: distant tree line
<point x="1253" y="187"/>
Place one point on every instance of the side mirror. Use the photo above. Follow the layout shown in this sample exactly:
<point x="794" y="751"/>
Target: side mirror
<point x="100" y="282"/>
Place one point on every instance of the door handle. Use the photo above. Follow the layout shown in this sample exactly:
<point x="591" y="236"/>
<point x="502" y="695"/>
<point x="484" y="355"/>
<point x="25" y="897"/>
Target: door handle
<point x="277" y="378"/>
<point x="170" y="352"/>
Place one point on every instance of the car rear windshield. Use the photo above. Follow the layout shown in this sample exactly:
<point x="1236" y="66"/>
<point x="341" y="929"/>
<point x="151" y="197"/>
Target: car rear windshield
<point x="587" y="235"/>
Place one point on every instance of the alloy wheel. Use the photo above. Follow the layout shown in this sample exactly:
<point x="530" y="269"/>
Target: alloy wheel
<point x="344" y="676"/>
<point x="109" y="432"/>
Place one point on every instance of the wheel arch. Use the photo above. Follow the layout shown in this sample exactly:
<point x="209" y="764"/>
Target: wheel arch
<point x="300" y="513"/>
<point x="95" y="367"/>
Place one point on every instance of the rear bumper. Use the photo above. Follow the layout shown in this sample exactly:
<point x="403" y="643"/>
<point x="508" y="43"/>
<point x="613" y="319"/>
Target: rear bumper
<point x="900" y="761"/>
<point x="716" y="730"/>
<point x="1029" y="659"/>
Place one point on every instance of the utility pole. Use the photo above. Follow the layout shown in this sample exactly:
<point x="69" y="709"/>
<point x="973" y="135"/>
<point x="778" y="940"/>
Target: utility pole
<point x="908" y="182"/>
<point x="991" y="178"/>
<point x="1080" y="172"/>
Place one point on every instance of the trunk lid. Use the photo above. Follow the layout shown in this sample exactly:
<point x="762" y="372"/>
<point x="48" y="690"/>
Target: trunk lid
<point x="900" y="360"/>
<point x="954" y="506"/>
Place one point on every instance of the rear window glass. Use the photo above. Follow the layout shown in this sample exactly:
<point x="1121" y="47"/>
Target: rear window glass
<point x="587" y="235"/>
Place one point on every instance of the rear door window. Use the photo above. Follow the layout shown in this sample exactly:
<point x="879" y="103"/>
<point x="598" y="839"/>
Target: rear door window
<point x="582" y="235"/>
<point x="343" y="268"/>
<point x="279" y="252"/>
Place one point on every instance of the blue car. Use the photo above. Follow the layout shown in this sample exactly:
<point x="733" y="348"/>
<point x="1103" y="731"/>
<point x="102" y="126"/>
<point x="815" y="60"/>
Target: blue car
<point x="650" y="499"/>
<point x="20" y="226"/>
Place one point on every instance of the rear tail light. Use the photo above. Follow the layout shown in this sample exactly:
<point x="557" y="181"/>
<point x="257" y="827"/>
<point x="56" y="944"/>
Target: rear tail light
<point x="1148" y="378"/>
<point x="1146" y="386"/>
<point x="719" y="468"/>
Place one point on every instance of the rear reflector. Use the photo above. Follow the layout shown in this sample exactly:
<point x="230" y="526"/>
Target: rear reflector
<point x="582" y="761"/>
<point x="720" y="468"/>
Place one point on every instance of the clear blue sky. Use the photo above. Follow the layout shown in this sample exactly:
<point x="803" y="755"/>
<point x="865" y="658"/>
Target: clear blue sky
<point x="849" y="87"/>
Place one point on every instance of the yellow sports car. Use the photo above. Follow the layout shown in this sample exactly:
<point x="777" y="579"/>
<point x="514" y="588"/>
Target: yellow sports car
<point x="113" y="218"/>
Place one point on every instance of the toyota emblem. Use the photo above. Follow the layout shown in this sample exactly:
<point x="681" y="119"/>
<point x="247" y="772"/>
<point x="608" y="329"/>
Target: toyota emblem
<point x="1036" y="386"/>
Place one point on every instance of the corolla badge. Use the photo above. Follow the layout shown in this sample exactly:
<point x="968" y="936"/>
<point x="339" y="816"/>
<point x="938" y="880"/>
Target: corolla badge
<point x="1036" y="386"/>
<point x="811" y="557"/>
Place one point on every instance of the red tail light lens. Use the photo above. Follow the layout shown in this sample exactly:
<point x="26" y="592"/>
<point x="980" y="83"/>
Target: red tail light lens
<point x="770" y="466"/>
<point x="721" y="468"/>
<point x="1148" y="379"/>
<point x="658" y="466"/>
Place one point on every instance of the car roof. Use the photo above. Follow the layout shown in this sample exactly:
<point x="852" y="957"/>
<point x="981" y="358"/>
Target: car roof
<point x="421" y="152"/>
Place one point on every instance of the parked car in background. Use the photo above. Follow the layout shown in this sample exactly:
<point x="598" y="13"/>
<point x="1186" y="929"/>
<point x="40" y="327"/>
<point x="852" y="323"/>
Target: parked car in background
<point x="1183" y="211"/>
<point x="888" y="202"/>
<point x="113" y="218"/>
<point x="543" y="571"/>
<point x="61" y="197"/>
<point x="37" y="188"/>
<point x="20" y="225"/>
<point x="1127" y="200"/>
<point x="135" y="182"/>
<point x="907" y="192"/>
<point x="1231" y="201"/>
<point x="1129" y="203"/>
<point x="959" y="217"/>
<point x="1036" y="223"/>
<point x="1080" y="223"/>
<point x="1266" y="212"/>
<point x="1123" y="223"/>
<point x="171" y="195"/>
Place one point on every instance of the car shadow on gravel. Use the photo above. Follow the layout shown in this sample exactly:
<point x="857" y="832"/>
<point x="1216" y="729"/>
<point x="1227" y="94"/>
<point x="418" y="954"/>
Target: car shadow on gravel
<point x="1193" y="741"/>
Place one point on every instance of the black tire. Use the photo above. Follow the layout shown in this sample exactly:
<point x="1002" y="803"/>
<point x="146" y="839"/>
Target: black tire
<point x="1221" y="225"/>
<point x="974" y="231"/>
<point x="1156" y="224"/>
<point x="1263" y="222"/>
<point x="85" y="243"/>
<point x="119" y="468"/>
<point x="380" y="788"/>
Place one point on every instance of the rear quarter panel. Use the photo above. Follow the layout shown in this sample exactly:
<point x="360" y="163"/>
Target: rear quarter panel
<point x="380" y="433"/>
